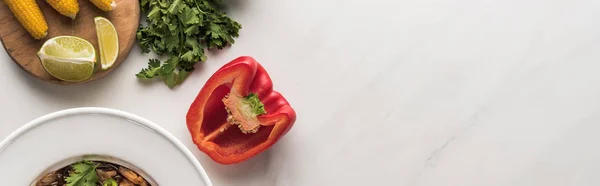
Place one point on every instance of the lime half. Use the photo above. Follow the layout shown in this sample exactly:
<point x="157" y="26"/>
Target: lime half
<point x="68" y="58"/>
<point x="108" y="42"/>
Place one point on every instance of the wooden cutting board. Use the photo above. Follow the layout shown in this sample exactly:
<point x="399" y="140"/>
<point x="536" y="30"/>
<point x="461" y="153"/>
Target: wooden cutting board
<point x="23" y="48"/>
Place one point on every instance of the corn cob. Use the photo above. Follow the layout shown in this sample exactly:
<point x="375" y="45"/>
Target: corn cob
<point x="105" y="5"/>
<point x="30" y="16"/>
<point x="68" y="8"/>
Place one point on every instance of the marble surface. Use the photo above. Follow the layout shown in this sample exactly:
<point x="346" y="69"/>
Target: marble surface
<point x="388" y="92"/>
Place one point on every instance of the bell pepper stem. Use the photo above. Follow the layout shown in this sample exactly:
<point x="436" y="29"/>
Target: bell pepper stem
<point x="243" y="111"/>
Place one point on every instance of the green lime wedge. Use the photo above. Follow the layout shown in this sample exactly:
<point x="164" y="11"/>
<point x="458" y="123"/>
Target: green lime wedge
<point x="108" y="42"/>
<point x="68" y="58"/>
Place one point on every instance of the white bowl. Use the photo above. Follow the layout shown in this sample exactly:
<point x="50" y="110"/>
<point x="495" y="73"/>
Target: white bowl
<point x="63" y="137"/>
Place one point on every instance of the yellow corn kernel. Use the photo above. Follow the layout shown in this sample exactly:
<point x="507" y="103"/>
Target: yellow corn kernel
<point x="68" y="8"/>
<point x="30" y="16"/>
<point x="105" y="5"/>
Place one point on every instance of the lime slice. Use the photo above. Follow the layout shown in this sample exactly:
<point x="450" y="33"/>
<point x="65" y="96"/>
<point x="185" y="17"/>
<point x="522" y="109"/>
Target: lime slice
<point x="68" y="58"/>
<point x="108" y="42"/>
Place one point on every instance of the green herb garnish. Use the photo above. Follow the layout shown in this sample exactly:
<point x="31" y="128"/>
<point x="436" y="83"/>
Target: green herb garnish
<point x="110" y="182"/>
<point x="83" y="174"/>
<point x="182" y="30"/>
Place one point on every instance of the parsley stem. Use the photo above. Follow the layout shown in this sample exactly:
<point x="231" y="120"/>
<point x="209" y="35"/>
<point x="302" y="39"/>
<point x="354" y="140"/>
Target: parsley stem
<point x="181" y="38"/>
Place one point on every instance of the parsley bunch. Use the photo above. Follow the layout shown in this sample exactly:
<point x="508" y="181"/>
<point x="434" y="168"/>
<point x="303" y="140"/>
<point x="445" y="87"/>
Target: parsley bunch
<point x="182" y="30"/>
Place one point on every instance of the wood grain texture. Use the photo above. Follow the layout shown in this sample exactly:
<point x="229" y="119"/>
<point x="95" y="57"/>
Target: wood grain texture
<point x="23" y="48"/>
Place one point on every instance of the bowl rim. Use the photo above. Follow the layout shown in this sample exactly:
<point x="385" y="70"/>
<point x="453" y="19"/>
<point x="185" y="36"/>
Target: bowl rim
<point x="5" y="143"/>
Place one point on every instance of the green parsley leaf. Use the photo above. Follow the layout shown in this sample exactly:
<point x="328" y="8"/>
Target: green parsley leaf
<point x="152" y="71"/>
<point x="182" y="30"/>
<point x="175" y="78"/>
<point x="83" y="174"/>
<point x="170" y="65"/>
<point x="174" y="7"/>
<point x="189" y="16"/>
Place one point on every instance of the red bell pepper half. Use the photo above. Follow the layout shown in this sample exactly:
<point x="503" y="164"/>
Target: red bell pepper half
<point x="237" y="115"/>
